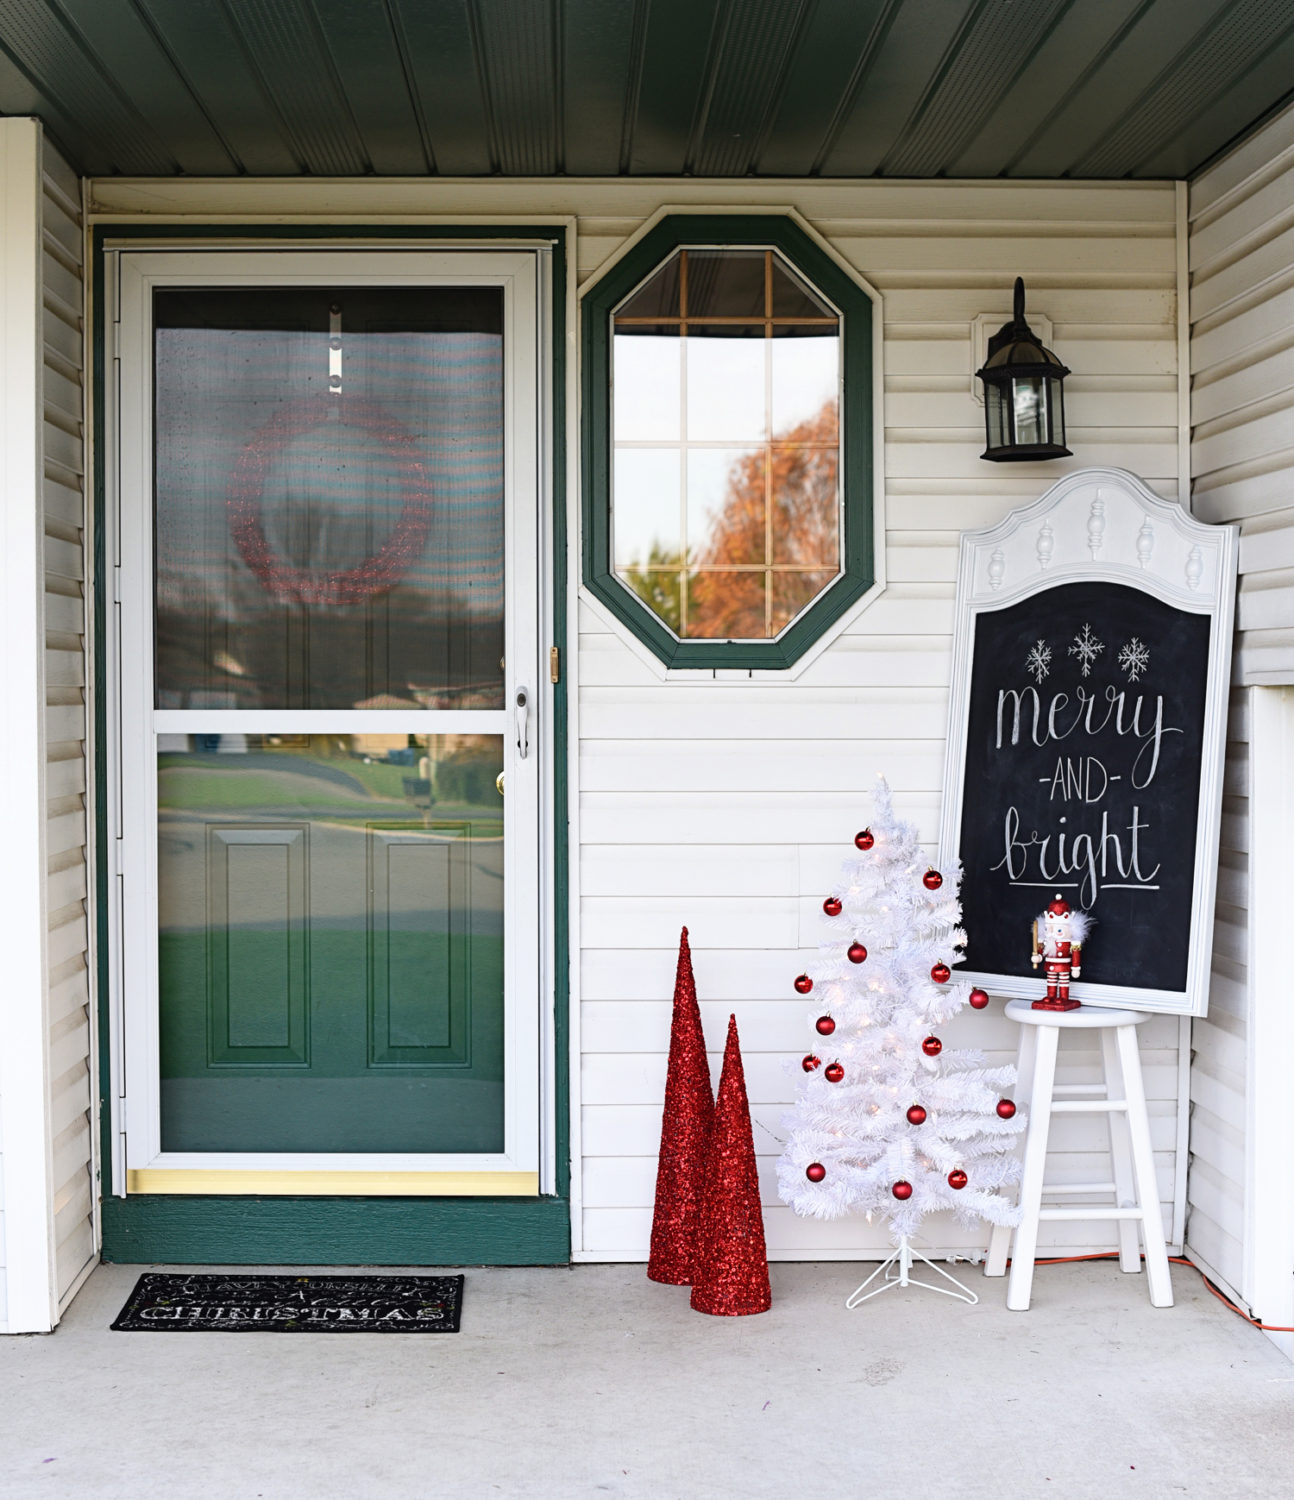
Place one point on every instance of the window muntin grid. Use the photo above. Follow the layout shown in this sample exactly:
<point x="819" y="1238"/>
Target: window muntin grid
<point x="727" y="504"/>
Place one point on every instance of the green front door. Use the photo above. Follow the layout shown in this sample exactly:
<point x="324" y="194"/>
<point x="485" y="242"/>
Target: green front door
<point x="328" y="652"/>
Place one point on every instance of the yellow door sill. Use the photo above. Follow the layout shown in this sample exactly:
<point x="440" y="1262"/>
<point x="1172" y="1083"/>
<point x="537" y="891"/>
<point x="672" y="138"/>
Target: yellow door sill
<point x="326" y="1184"/>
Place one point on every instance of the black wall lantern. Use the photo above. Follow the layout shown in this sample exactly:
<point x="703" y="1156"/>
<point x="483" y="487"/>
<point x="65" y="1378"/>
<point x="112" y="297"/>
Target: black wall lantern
<point x="1024" y="404"/>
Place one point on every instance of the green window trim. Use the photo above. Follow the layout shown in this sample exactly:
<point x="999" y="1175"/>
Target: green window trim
<point x="736" y="231"/>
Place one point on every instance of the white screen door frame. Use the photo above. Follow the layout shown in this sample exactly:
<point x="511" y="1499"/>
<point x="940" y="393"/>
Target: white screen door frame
<point x="141" y="1165"/>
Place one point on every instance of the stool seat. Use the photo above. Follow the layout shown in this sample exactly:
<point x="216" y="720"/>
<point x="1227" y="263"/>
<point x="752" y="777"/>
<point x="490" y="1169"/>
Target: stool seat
<point x="1122" y="1098"/>
<point x="1082" y="1019"/>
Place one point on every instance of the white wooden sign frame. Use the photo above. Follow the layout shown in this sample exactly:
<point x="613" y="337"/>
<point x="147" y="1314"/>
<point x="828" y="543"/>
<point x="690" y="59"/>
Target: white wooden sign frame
<point x="1103" y="526"/>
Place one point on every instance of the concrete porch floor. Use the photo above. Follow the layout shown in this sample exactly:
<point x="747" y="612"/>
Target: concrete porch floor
<point x="593" y="1381"/>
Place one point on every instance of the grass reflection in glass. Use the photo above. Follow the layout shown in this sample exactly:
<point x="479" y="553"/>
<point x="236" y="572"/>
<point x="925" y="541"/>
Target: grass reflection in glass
<point x="331" y="945"/>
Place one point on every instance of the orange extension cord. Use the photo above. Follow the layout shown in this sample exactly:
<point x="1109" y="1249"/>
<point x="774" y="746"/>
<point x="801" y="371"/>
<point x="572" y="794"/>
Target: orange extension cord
<point x="1177" y="1260"/>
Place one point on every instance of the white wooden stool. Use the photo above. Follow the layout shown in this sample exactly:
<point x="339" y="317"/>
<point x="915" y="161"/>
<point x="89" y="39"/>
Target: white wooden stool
<point x="1123" y="1097"/>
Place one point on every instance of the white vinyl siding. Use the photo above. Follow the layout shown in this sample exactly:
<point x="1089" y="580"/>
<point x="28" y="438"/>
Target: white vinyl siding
<point x="1242" y="382"/>
<point x="70" y="1057"/>
<point x="727" y="805"/>
<point x="1241" y="248"/>
<point x="1216" y="1184"/>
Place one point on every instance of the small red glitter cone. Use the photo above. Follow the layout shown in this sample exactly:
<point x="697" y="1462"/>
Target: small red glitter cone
<point x="684" y="1135"/>
<point x="731" y="1275"/>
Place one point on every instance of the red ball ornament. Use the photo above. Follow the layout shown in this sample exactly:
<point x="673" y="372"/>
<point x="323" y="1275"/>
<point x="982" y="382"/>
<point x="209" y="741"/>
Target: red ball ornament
<point x="916" y="1115"/>
<point x="902" y="1191"/>
<point x="815" y="1171"/>
<point x="957" y="1179"/>
<point x="803" y="984"/>
<point x="824" y="1025"/>
<point x="856" y="954"/>
<point x="1005" y="1108"/>
<point x="932" y="1046"/>
<point x="941" y="973"/>
<point x="864" y="840"/>
<point x="832" y="906"/>
<point x="833" y="1072"/>
<point x="810" y="1062"/>
<point x="932" y="880"/>
<point x="978" y="999"/>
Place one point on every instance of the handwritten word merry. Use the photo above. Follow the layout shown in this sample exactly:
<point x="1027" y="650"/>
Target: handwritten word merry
<point x="1066" y="715"/>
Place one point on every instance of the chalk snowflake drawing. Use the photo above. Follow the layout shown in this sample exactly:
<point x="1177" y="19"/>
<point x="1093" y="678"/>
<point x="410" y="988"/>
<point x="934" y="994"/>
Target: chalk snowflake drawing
<point x="1134" y="658"/>
<point x="1087" y="648"/>
<point x="1038" y="661"/>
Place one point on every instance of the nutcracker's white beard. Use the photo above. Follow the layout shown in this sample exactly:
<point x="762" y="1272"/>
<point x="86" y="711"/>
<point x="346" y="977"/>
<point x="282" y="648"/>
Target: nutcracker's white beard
<point x="1071" y="929"/>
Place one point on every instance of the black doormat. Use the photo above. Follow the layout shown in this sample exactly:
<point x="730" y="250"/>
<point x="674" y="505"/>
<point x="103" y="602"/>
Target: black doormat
<point x="166" y="1302"/>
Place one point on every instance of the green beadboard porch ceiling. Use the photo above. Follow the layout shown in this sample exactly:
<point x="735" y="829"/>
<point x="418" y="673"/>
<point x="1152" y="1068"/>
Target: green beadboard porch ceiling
<point x="707" y="88"/>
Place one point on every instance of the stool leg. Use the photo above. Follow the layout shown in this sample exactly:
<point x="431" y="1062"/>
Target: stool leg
<point x="1000" y="1239"/>
<point x="1020" y="1285"/>
<point x="1120" y="1153"/>
<point x="1143" y="1163"/>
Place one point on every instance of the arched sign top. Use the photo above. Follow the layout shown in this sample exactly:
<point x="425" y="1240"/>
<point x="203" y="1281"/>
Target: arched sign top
<point x="1086" y="737"/>
<point x="1099" y="523"/>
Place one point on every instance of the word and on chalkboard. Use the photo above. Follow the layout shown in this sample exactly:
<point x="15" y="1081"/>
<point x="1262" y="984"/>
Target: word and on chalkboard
<point x="1086" y="738"/>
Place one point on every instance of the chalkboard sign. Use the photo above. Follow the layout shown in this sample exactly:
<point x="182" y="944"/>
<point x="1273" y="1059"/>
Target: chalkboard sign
<point x="1086" y="741"/>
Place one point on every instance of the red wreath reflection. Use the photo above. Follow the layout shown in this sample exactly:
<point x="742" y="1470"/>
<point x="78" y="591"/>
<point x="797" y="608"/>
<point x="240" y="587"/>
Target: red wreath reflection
<point x="377" y="573"/>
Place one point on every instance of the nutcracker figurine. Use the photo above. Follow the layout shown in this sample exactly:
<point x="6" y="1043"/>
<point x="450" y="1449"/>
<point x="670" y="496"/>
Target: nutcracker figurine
<point x="1059" y="950"/>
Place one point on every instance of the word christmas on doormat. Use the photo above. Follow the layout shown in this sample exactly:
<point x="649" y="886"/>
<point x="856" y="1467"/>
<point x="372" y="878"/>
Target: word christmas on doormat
<point x="165" y="1302"/>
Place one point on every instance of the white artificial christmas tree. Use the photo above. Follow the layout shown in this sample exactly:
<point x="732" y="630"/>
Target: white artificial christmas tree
<point x="890" y="1121"/>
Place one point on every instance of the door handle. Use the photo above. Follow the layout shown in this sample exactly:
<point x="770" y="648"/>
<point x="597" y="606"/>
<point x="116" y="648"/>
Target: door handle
<point x="523" y="713"/>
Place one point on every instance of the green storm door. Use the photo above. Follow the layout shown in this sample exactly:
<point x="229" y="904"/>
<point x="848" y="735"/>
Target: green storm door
<point x="329" y="750"/>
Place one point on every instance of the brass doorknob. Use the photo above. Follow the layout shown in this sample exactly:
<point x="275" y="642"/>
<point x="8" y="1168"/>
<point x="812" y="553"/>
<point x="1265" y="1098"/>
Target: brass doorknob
<point x="498" y="783"/>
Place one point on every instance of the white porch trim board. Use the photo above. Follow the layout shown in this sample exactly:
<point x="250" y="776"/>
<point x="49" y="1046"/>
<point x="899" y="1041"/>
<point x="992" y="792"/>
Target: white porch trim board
<point x="1269" y="1126"/>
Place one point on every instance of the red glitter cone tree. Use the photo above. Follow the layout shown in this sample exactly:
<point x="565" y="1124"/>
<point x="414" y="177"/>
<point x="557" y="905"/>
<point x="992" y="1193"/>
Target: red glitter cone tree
<point x="684" y="1135"/>
<point x="731" y="1273"/>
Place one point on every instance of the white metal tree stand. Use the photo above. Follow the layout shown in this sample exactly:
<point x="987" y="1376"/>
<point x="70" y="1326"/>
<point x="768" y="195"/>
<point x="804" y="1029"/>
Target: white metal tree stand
<point x="896" y="1271"/>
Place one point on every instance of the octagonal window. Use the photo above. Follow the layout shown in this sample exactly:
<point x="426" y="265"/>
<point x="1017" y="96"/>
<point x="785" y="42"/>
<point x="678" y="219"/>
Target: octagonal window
<point x="730" y="429"/>
<point x="725" y="510"/>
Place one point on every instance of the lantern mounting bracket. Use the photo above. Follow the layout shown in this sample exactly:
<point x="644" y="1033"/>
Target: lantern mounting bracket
<point x="984" y="327"/>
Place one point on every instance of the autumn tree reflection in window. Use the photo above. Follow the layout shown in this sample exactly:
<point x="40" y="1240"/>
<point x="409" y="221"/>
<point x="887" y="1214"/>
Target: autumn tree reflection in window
<point x="726" y="510"/>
